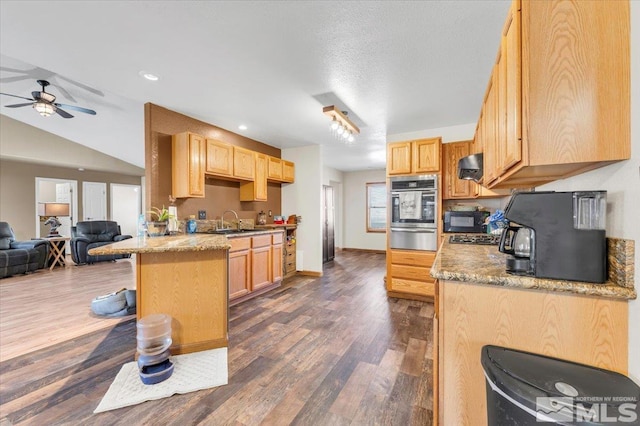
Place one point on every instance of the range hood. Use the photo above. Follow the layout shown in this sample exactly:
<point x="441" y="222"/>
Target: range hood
<point x="470" y="167"/>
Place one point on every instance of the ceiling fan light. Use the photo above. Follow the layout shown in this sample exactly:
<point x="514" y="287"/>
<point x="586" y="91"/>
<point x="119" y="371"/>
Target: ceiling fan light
<point x="44" y="109"/>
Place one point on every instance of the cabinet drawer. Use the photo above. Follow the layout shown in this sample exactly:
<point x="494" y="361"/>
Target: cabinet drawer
<point x="239" y="244"/>
<point x="414" y="287"/>
<point x="276" y="238"/>
<point x="261" y="241"/>
<point x="413" y="257"/>
<point x="415" y="273"/>
<point x="290" y="266"/>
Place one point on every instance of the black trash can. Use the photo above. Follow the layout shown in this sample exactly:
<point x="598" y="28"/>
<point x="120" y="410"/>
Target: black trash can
<point x="530" y="389"/>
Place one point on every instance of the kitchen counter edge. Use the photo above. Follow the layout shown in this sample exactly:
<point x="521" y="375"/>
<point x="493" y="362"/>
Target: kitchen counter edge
<point x="482" y="264"/>
<point x="173" y="243"/>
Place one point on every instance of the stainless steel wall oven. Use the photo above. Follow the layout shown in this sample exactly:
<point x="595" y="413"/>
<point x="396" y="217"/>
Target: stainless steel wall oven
<point x="414" y="212"/>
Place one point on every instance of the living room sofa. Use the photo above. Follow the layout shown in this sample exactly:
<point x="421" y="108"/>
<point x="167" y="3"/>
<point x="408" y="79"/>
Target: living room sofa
<point x="91" y="234"/>
<point x="20" y="257"/>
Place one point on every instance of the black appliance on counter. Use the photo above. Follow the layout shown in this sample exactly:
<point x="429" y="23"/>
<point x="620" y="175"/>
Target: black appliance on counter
<point x="561" y="235"/>
<point x="469" y="221"/>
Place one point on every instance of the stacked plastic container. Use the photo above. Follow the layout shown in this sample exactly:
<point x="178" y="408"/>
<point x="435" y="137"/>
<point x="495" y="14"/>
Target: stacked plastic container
<point x="154" y="340"/>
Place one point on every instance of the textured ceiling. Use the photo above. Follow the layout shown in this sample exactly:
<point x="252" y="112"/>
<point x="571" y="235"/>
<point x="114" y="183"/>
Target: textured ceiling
<point x="398" y="66"/>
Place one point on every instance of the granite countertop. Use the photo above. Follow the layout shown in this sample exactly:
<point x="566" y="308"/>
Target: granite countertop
<point x="180" y="242"/>
<point x="484" y="264"/>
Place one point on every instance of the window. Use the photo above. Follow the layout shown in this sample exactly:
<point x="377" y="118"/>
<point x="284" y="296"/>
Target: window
<point x="376" y="207"/>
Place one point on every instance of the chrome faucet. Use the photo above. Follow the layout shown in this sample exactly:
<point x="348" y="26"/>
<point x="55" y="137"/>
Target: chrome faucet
<point x="222" y="218"/>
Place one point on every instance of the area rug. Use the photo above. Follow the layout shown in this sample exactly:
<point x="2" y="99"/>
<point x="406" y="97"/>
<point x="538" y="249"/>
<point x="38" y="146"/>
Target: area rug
<point x="192" y="372"/>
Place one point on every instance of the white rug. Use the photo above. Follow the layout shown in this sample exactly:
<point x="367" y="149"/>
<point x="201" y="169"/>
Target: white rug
<point x="192" y="372"/>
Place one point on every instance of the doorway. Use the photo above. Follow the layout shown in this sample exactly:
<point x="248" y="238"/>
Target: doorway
<point x="328" y="224"/>
<point x="94" y="201"/>
<point x="126" y="203"/>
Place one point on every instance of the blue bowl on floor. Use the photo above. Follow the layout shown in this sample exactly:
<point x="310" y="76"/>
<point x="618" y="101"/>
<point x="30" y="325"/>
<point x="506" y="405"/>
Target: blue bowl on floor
<point x="152" y="374"/>
<point x="149" y="360"/>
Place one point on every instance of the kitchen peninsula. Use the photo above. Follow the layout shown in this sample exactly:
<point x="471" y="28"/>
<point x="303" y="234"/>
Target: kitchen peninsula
<point x="184" y="276"/>
<point x="478" y="303"/>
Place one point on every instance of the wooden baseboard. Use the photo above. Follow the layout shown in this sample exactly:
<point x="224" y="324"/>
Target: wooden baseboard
<point x="310" y="273"/>
<point x="400" y="295"/>
<point x="365" y="250"/>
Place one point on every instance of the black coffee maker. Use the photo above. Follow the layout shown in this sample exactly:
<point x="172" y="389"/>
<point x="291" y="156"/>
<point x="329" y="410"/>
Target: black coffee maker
<point x="562" y="235"/>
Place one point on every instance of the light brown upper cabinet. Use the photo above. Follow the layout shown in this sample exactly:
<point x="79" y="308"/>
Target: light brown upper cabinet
<point x="288" y="171"/>
<point x="188" y="165"/>
<point x="243" y="163"/>
<point x="275" y="169"/>
<point x="280" y="170"/>
<point x="414" y="157"/>
<point x="256" y="190"/>
<point x="452" y="187"/>
<point x="219" y="158"/>
<point x="558" y="101"/>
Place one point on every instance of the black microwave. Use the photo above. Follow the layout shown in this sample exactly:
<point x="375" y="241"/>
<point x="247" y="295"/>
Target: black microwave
<point x="469" y="222"/>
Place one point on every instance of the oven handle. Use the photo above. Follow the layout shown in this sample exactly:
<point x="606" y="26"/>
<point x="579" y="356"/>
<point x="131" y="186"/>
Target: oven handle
<point x="414" y="230"/>
<point x="424" y="191"/>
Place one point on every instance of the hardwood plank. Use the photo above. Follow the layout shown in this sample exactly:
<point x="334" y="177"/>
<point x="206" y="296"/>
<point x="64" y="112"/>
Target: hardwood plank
<point x="348" y="400"/>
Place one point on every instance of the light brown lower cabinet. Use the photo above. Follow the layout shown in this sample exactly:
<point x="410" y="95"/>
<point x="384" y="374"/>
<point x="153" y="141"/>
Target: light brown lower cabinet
<point x="277" y="257"/>
<point x="584" y="329"/>
<point x="239" y="267"/>
<point x="255" y="265"/>
<point x="260" y="262"/>
<point x="408" y="274"/>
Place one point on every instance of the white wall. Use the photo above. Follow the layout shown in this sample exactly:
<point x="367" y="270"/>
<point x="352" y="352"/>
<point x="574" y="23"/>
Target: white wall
<point x="622" y="183"/>
<point x="335" y="179"/>
<point x="355" y="211"/>
<point x="304" y="198"/>
<point x="463" y="132"/>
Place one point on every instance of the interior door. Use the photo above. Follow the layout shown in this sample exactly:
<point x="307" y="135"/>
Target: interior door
<point x="94" y="201"/>
<point x="328" y="237"/>
<point x="125" y="207"/>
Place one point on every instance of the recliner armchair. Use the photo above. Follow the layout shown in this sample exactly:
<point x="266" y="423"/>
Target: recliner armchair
<point x="19" y="257"/>
<point x="91" y="234"/>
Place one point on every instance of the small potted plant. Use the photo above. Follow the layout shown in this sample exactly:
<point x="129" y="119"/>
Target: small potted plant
<point x="157" y="226"/>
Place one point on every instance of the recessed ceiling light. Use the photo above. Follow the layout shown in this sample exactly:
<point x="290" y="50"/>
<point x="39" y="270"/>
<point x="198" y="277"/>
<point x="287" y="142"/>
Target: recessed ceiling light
<point x="149" y="76"/>
<point x="242" y="127"/>
<point x="80" y="169"/>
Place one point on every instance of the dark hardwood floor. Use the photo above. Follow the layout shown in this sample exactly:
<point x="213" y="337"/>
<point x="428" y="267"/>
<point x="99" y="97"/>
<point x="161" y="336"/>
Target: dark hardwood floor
<point x="318" y="351"/>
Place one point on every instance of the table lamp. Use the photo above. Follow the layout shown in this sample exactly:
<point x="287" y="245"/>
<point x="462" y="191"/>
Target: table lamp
<point x="49" y="212"/>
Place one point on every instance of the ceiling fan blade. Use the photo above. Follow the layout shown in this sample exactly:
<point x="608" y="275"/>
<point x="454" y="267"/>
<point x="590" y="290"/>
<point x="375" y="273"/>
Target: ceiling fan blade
<point x="19" y="105"/>
<point x="77" y="108"/>
<point x="15" y="78"/>
<point x="16" y="96"/>
<point x="62" y="113"/>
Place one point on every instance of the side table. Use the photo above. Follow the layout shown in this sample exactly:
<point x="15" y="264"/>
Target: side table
<point x="57" y="252"/>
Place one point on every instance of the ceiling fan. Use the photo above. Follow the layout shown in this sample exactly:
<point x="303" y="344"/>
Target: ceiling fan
<point x="45" y="104"/>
